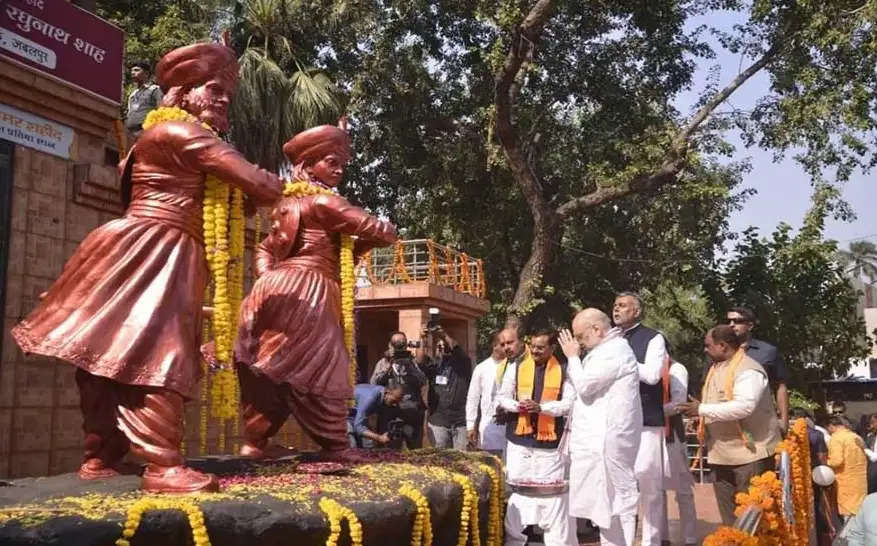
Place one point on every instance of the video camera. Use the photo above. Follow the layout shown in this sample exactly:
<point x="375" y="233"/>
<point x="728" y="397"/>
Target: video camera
<point x="396" y="429"/>
<point x="435" y="319"/>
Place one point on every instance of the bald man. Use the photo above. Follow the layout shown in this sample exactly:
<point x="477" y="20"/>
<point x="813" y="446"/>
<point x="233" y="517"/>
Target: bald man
<point x="605" y="426"/>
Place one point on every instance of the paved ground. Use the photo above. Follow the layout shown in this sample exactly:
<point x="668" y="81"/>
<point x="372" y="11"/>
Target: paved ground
<point x="707" y="516"/>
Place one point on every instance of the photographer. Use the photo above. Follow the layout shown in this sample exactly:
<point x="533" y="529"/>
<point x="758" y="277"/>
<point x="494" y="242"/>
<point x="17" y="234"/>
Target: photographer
<point x="405" y="422"/>
<point x="449" y="371"/>
<point x="369" y="399"/>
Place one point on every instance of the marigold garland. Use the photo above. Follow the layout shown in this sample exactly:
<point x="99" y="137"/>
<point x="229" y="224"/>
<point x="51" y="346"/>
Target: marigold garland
<point x="205" y="389"/>
<point x="494" y="511"/>
<point x="335" y="512"/>
<point x="421" y="533"/>
<point x="192" y="511"/>
<point x="465" y="280"/>
<point x="468" y="512"/>
<point x="766" y="492"/>
<point x="257" y="236"/>
<point x="300" y="188"/>
<point x="223" y="228"/>
<point x="797" y="445"/>
<point x="399" y="268"/>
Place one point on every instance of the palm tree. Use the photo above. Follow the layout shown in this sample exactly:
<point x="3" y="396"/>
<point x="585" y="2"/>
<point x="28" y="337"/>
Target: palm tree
<point x="861" y="260"/>
<point x="270" y="106"/>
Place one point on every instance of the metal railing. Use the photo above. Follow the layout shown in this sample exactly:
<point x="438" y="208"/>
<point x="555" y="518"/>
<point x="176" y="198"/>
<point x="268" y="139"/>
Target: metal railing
<point x="422" y="260"/>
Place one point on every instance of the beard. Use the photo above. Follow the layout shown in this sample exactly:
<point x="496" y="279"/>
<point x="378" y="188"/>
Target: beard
<point x="199" y="106"/>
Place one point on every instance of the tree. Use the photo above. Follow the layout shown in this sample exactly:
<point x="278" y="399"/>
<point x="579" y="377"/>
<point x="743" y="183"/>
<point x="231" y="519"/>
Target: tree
<point x="803" y="299"/>
<point x="154" y="28"/>
<point x="547" y="115"/>
<point x="810" y="51"/>
<point x="861" y="260"/>
<point x="684" y="315"/>
<point x="270" y="107"/>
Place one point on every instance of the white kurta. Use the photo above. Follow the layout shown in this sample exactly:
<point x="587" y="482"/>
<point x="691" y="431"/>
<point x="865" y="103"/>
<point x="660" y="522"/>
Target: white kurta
<point x="679" y="476"/>
<point x="551" y="514"/>
<point x="606" y="424"/>
<point x="649" y="466"/>
<point x="483" y="389"/>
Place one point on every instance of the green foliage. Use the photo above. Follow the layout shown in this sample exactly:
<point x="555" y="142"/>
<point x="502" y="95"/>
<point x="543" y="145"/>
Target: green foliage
<point x="798" y="400"/>
<point x="277" y="95"/>
<point x="802" y="297"/>
<point x="154" y="28"/>
<point x="684" y="315"/>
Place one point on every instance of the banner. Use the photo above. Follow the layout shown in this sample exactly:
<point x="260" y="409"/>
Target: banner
<point x="64" y="41"/>
<point x="35" y="132"/>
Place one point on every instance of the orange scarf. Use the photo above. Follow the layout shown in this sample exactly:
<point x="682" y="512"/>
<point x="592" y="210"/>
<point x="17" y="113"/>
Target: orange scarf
<point x="550" y="392"/>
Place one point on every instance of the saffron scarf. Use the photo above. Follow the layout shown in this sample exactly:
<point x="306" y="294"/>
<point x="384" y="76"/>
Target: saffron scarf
<point x="550" y="392"/>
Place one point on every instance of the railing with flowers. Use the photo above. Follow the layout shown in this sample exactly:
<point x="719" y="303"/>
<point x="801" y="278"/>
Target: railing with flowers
<point x="422" y="260"/>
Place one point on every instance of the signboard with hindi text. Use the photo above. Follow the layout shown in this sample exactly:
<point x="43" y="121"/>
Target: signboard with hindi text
<point x="35" y="132"/>
<point x="64" y="41"/>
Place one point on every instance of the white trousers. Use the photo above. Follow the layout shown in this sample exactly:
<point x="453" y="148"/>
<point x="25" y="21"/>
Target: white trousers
<point x="649" y="469"/>
<point x="622" y="531"/>
<point x="682" y="481"/>
<point x="551" y="514"/>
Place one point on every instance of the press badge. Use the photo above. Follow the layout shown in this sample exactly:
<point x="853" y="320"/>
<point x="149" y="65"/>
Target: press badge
<point x="441" y="380"/>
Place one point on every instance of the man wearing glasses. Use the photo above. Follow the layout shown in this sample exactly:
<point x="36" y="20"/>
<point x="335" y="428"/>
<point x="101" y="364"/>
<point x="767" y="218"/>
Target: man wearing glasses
<point x="742" y="320"/>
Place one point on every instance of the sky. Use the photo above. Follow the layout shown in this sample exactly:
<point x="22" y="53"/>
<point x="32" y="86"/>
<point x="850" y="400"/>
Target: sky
<point x="783" y="189"/>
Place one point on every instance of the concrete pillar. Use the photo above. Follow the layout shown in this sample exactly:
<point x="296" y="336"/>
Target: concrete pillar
<point x="472" y="340"/>
<point x="412" y="321"/>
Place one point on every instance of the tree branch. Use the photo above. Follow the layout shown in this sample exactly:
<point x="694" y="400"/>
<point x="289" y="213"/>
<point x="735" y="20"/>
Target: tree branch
<point x="674" y="160"/>
<point x="680" y="142"/>
<point x="521" y="49"/>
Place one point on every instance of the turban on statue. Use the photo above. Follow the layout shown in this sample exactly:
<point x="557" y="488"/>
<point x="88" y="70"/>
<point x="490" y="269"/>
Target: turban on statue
<point x="194" y="65"/>
<point x="316" y="143"/>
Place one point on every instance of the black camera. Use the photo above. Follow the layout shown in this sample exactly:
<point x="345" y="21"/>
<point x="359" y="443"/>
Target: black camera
<point x="396" y="429"/>
<point x="435" y="319"/>
<point x="414" y="344"/>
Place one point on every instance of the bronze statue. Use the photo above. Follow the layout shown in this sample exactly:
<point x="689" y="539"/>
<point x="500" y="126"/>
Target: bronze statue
<point x="126" y="310"/>
<point x="290" y="349"/>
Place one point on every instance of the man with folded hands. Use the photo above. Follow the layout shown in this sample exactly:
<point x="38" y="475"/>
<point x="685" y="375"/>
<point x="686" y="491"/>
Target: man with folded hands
<point x="535" y="396"/>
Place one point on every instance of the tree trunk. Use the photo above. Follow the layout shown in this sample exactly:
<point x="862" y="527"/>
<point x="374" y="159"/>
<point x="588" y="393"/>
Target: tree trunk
<point x="547" y="230"/>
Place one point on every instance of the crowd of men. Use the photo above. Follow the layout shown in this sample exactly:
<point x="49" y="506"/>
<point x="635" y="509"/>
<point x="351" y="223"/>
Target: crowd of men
<point x="610" y="420"/>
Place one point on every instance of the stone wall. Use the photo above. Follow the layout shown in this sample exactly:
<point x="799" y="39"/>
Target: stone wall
<point x="40" y="426"/>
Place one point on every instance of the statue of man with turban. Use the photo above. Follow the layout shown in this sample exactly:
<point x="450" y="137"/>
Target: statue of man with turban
<point x="290" y="349"/>
<point x="127" y="309"/>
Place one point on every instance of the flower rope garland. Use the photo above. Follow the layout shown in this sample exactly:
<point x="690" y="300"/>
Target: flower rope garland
<point x="421" y="533"/>
<point x="298" y="189"/>
<point x="468" y="512"/>
<point x="192" y="511"/>
<point x="494" y="511"/>
<point x="335" y="512"/>
<point x="223" y="243"/>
